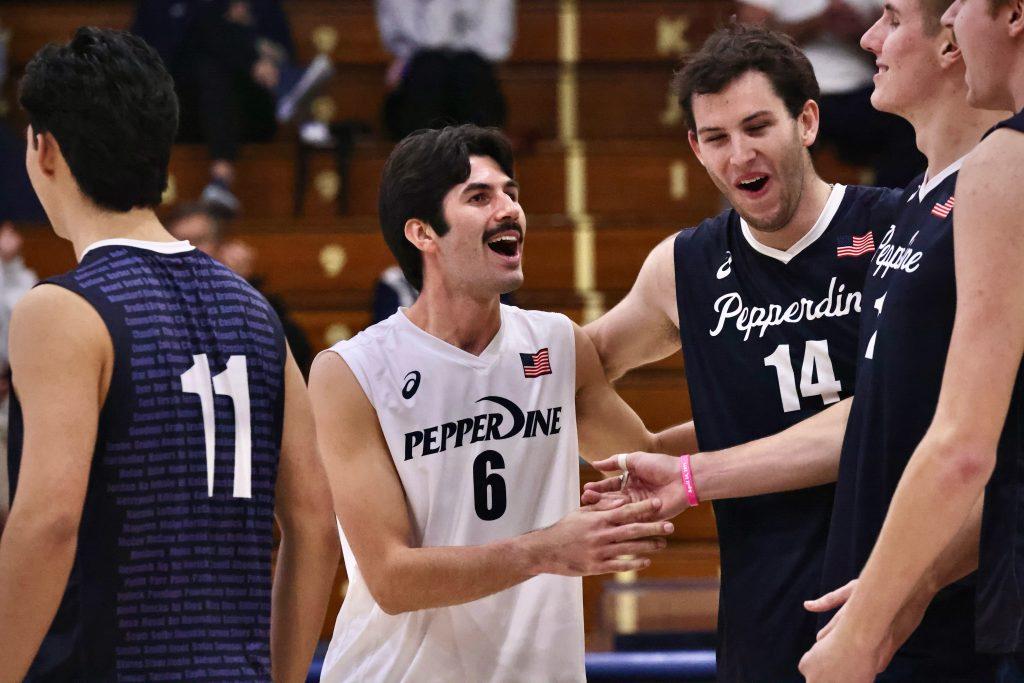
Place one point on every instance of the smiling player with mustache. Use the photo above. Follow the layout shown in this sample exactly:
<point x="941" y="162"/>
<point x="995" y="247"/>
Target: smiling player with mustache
<point x="449" y="432"/>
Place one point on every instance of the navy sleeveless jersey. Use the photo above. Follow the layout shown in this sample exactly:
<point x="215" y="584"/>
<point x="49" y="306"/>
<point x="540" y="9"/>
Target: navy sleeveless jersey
<point x="1000" y="605"/>
<point x="909" y="303"/>
<point x="770" y="338"/>
<point x="171" y="578"/>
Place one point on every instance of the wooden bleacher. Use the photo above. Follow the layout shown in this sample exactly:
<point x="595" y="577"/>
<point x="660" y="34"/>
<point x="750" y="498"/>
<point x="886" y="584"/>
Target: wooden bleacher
<point x="641" y="183"/>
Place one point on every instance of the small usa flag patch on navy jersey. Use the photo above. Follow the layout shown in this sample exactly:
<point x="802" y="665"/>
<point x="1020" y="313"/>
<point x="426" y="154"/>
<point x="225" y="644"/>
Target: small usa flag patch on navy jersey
<point x="943" y="210"/>
<point x="536" y="364"/>
<point x="855" y="245"/>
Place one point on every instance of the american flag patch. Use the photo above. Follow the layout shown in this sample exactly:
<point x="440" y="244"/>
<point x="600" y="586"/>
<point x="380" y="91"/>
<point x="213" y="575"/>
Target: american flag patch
<point x="943" y="210"/>
<point x="855" y="245"/>
<point x="536" y="364"/>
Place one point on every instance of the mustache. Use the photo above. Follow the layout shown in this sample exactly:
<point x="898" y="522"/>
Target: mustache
<point x="504" y="226"/>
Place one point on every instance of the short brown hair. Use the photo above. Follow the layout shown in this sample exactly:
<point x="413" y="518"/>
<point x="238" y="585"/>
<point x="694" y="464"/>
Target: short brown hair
<point x="737" y="48"/>
<point x="933" y="11"/>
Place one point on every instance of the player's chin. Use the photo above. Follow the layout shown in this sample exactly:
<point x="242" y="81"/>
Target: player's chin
<point x="511" y="281"/>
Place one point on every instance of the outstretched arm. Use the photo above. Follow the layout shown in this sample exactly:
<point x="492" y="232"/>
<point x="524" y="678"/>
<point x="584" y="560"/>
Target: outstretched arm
<point x="307" y="558"/>
<point x="805" y="455"/>
<point x="956" y="457"/>
<point x="61" y="356"/>
<point x="370" y="502"/>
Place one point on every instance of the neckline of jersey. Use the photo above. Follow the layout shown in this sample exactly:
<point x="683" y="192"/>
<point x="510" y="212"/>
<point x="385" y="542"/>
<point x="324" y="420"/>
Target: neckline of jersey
<point x="175" y="247"/>
<point x="929" y="184"/>
<point x="486" y="358"/>
<point x="835" y="199"/>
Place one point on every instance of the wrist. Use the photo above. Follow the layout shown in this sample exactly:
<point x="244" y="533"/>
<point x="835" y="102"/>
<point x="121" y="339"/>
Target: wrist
<point x="688" y="481"/>
<point x="531" y="553"/>
<point x="863" y="624"/>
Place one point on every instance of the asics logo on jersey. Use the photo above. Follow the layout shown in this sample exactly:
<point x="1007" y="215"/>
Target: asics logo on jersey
<point x="725" y="270"/>
<point x="412" y="383"/>
<point x="891" y="257"/>
<point x="484" y="427"/>
<point x="730" y="307"/>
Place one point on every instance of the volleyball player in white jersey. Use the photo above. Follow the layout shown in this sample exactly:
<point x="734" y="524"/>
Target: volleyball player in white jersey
<point x="450" y="436"/>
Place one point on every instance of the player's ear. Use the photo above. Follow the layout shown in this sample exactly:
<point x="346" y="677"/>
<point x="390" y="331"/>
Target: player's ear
<point x="692" y="138"/>
<point x="950" y="53"/>
<point x="1016" y="18"/>
<point x="46" y="152"/>
<point x="420" y="234"/>
<point x="808" y="122"/>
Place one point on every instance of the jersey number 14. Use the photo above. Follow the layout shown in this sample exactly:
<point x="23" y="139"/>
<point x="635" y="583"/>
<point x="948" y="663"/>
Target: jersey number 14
<point x="816" y="364"/>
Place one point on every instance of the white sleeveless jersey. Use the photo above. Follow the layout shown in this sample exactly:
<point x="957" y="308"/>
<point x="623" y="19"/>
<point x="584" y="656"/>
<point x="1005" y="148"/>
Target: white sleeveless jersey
<point x="486" y="449"/>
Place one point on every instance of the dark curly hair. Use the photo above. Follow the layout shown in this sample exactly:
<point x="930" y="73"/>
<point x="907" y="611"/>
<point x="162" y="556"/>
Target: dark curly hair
<point x="419" y="173"/>
<point x="110" y="104"/>
<point x="737" y="48"/>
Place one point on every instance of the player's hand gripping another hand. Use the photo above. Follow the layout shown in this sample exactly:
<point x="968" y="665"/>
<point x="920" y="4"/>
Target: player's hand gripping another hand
<point x="816" y="661"/>
<point x="587" y="542"/>
<point x="649" y="476"/>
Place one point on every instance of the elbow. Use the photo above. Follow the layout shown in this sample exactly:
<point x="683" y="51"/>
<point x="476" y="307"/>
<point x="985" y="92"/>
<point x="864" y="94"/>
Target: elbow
<point x="391" y="600"/>
<point x="389" y="584"/>
<point x="392" y="607"/>
<point x="965" y="459"/>
<point x="972" y="467"/>
<point x="53" y="529"/>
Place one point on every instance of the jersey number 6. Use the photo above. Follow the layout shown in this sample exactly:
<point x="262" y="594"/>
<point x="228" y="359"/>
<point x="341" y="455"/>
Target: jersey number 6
<point x="488" y="486"/>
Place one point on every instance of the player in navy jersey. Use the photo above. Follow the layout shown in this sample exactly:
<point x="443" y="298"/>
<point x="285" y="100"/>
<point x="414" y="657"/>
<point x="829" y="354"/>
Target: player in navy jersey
<point x="961" y="498"/>
<point x="765" y="301"/>
<point x="158" y="423"/>
<point x="921" y="79"/>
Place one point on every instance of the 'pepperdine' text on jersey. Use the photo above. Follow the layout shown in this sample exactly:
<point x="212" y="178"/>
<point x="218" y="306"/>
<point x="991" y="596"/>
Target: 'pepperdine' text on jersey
<point x="769" y="338"/>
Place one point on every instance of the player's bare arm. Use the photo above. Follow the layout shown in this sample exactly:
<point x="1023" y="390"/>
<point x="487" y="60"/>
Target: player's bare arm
<point x="606" y="423"/>
<point x="959" y="559"/>
<point x="370" y="503"/>
<point x="805" y="455"/>
<point x="307" y="558"/>
<point x="61" y="356"/>
<point x="956" y="457"/>
<point x="644" y="326"/>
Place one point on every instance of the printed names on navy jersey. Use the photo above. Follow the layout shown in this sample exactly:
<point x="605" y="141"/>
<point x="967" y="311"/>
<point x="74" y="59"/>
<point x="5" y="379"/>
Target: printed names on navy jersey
<point x="185" y="468"/>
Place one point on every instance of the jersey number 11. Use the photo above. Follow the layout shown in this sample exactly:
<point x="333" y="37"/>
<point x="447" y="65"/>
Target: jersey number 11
<point x="233" y="382"/>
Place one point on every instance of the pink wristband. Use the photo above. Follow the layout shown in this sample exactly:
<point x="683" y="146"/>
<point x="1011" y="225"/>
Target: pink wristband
<point x="686" y="474"/>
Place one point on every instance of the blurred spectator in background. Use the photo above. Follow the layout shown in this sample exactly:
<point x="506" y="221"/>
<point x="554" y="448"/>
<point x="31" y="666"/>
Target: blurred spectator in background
<point x="233" y="67"/>
<point x="201" y="225"/>
<point x="445" y="52"/>
<point x="829" y="32"/>
<point x="15" y="280"/>
<point x="17" y="198"/>
<point x="392" y="291"/>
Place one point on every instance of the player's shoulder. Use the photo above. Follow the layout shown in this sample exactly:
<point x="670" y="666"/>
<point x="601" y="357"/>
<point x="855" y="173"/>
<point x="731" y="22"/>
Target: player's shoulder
<point x="991" y="176"/>
<point x="52" y="314"/>
<point x="708" y="231"/>
<point x="712" y="225"/>
<point x="516" y="318"/>
<point x="874" y="200"/>
<point x="372" y="338"/>
<point x="999" y="154"/>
